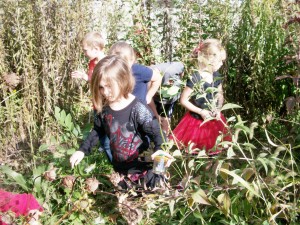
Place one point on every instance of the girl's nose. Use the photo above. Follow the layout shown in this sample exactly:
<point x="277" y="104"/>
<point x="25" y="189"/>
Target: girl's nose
<point x="106" y="92"/>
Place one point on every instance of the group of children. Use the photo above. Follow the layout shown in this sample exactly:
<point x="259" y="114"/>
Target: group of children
<point x="130" y="114"/>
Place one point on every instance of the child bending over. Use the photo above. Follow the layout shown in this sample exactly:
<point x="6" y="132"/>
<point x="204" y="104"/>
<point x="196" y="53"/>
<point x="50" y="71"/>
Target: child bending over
<point x="124" y="119"/>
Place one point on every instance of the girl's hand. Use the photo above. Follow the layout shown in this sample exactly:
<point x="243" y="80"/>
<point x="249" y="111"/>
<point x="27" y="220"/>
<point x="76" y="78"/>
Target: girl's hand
<point x="76" y="158"/>
<point x="79" y="75"/>
<point x="217" y="115"/>
<point x="165" y="154"/>
<point x="206" y="114"/>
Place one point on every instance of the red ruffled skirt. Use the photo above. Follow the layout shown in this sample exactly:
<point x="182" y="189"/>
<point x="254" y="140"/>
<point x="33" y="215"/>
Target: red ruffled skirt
<point x="20" y="204"/>
<point x="202" y="135"/>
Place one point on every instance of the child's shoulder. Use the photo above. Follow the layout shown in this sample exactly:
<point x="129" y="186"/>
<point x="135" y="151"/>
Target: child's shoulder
<point x="137" y="66"/>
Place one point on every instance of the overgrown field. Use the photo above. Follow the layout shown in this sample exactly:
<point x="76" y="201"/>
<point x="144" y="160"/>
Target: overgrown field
<point x="45" y="114"/>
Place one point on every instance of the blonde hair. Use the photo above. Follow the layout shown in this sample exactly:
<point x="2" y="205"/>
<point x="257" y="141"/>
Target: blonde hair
<point x="111" y="69"/>
<point x="124" y="50"/>
<point x="94" y="39"/>
<point x="208" y="51"/>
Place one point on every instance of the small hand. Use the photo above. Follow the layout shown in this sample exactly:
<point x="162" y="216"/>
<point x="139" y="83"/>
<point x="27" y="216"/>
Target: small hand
<point x="206" y="114"/>
<point x="76" y="158"/>
<point x="79" y="75"/>
<point x="165" y="154"/>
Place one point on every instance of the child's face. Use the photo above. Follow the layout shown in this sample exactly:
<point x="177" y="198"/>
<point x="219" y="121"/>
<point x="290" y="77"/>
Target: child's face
<point x="109" y="91"/>
<point x="89" y="51"/>
<point x="218" y="60"/>
<point x="218" y="63"/>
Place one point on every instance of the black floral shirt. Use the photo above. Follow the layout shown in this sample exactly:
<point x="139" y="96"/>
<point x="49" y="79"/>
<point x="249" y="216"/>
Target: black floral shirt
<point x="128" y="130"/>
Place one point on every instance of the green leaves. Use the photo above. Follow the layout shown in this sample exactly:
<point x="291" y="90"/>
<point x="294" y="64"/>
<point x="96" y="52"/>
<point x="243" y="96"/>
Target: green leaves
<point x="65" y="120"/>
<point x="16" y="177"/>
<point x="240" y="180"/>
<point x="200" y="197"/>
<point x="230" y="106"/>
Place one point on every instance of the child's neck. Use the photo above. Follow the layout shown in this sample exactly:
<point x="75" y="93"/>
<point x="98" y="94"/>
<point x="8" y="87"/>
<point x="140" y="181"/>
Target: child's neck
<point x="207" y="76"/>
<point x="100" y="56"/>
<point x="121" y="103"/>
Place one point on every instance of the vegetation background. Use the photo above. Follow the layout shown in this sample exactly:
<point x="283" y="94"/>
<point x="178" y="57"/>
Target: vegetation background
<point x="44" y="114"/>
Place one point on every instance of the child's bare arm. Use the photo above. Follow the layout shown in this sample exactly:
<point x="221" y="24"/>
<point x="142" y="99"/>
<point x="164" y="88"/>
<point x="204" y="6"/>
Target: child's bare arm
<point x="154" y="85"/>
<point x="184" y="101"/>
<point x="220" y="96"/>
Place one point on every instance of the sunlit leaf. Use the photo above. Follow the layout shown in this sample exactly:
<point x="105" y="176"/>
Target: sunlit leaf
<point x="269" y="140"/>
<point x="240" y="180"/>
<point x="279" y="149"/>
<point x="190" y="202"/>
<point x="230" y="153"/>
<point x="90" y="168"/>
<point x="230" y="106"/>
<point x="62" y="117"/>
<point x="252" y="127"/>
<point x="211" y="90"/>
<point x="17" y="177"/>
<point x="247" y="144"/>
<point x="222" y="174"/>
<point x="242" y="127"/>
<point x="57" y="113"/>
<point x="177" y="153"/>
<point x="171" y="206"/>
<point x="75" y="132"/>
<point x="231" y="119"/>
<point x="248" y="173"/>
<point x="263" y="162"/>
<point x="191" y="163"/>
<point x="71" y="151"/>
<point x="173" y="91"/>
<point x="68" y="122"/>
<point x="225" y="202"/>
<point x="43" y="147"/>
<point x="200" y="197"/>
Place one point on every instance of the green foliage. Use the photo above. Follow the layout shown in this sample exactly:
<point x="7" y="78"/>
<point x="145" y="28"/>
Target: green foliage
<point x="43" y="112"/>
<point x="256" y="182"/>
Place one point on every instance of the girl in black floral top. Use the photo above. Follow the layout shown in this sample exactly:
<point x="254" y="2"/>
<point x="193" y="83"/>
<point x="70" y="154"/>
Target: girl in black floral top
<point x="123" y="118"/>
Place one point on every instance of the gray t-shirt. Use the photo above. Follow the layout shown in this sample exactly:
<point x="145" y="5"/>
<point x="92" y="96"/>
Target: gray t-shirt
<point x="172" y="72"/>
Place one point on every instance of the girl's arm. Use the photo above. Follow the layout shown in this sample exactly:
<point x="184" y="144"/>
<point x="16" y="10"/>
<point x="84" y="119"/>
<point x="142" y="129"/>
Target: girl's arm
<point x="184" y="101"/>
<point x="220" y="97"/>
<point x="154" y="85"/>
<point x="91" y="141"/>
<point x="149" y="125"/>
<point x="220" y="101"/>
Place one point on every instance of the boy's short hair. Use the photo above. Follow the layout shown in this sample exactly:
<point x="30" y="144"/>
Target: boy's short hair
<point x="94" y="39"/>
<point x="124" y="50"/>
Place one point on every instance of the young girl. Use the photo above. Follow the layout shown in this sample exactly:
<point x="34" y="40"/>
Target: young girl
<point x="203" y="104"/>
<point x="124" y="119"/>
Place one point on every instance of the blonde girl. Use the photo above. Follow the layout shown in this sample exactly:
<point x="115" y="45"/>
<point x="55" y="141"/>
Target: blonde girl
<point x="203" y="98"/>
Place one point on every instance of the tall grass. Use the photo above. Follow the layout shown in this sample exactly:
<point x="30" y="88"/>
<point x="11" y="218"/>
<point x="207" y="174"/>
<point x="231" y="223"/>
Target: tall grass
<point x="256" y="182"/>
<point x="41" y="45"/>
